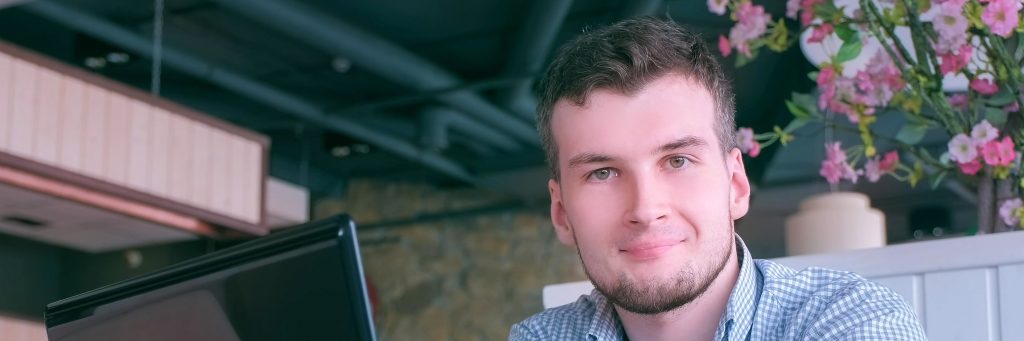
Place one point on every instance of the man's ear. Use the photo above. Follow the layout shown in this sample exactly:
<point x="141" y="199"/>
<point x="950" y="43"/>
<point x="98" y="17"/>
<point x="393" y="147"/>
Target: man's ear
<point x="559" y="217"/>
<point x="739" y="186"/>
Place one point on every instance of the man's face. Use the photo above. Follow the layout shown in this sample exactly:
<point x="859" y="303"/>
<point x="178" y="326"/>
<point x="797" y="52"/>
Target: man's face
<point x="646" y="195"/>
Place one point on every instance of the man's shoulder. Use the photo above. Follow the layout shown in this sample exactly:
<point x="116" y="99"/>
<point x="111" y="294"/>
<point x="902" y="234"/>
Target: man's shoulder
<point x="785" y="283"/>
<point x="563" y="322"/>
<point x="829" y="303"/>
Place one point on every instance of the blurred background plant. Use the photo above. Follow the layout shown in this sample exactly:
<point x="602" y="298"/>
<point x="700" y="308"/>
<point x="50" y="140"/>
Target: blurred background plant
<point x="952" y="66"/>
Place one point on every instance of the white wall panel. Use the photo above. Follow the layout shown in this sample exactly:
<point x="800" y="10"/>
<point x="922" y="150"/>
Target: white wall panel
<point x="253" y="173"/>
<point x="1011" y="300"/>
<point x="46" y="133"/>
<point x="94" y="150"/>
<point x="72" y="124"/>
<point x="23" y="109"/>
<point x="116" y="168"/>
<point x="218" y="169"/>
<point x="181" y="159"/>
<point x="160" y="155"/>
<point x="6" y="89"/>
<point x="959" y="305"/>
<point x="139" y="130"/>
<point x="112" y="134"/>
<point x="200" y="172"/>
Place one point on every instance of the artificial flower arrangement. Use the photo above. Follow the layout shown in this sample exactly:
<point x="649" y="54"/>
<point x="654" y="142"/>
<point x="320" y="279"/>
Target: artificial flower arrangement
<point x="919" y="46"/>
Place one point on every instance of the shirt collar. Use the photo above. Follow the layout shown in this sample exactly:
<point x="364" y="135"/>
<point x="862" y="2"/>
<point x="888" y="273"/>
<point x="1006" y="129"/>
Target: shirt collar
<point x="739" y="313"/>
<point x="604" y="325"/>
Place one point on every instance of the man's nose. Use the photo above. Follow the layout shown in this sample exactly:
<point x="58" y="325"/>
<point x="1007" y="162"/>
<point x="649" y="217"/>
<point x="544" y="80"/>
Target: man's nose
<point x="649" y="203"/>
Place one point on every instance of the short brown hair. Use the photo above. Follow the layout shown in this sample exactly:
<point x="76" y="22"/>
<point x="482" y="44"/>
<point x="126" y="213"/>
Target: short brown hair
<point x="625" y="57"/>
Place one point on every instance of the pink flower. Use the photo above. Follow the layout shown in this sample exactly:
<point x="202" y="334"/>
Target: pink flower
<point x="717" y="6"/>
<point x="984" y="86"/>
<point x="875" y="168"/>
<point x="752" y="22"/>
<point x="807" y="11"/>
<point x="951" y="25"/>
<point x="983" y="132"/>
<point x="958" y="101"/>
<point x="723" y="46"/>
<point x="962" y="149"/>
<point x="746" y="143"/>
<point x="831" y="171"/>
<point x="820" y="32"/>
<point x="792" y="6"/>
<point x="1001" y="16"/>
<point x="826" y="83"/>
<point x="1008" y="211"/>
<point x="834" y="152"/>
<point x="998" y="153"/>
<point x="1012" y="107"/>
<point x="835" y="167"/>
<point x="954" y="62"/>
<point x="889" y="161"/>
<point x="970" y="168"/>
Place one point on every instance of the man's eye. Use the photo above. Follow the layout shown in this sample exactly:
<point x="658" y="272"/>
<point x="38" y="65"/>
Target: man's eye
<point x="677" y="162"/>
<point x="602" y="174"/>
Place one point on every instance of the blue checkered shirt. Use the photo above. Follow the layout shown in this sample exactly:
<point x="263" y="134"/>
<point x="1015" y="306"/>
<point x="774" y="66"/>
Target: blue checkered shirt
<point x="769" y="302"/>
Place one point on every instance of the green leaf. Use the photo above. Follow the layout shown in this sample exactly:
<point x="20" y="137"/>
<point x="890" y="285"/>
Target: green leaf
<point x="1003" y="97"/>
<point x="849" y="51"/>
<point x="798" y="111"/>
<point x="807" y="102"/>
<point x="996" y="116"/>
<point x="916" y="174"/>
<point x="814" y="75"/>
<point x="912" y="133"/>
<point x="778" y="39"/>
<point x="796" y="124"/>
<point x="825" y="9"/>
<point x="845" y="32"/>
<point x="938" y="179"/>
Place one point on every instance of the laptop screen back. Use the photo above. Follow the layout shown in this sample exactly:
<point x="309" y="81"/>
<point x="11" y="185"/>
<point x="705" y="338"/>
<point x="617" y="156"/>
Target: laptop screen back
<point x="302" y="284"/>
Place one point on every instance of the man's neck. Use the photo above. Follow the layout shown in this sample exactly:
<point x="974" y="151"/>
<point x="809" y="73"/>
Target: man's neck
<point x="697" y="320"/>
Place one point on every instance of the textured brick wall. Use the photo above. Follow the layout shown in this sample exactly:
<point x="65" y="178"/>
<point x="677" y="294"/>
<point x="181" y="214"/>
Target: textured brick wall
<point x="465" y="278"/>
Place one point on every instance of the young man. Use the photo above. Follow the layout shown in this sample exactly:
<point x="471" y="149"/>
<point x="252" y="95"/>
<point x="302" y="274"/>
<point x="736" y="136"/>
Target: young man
<point x="637" y="122"/>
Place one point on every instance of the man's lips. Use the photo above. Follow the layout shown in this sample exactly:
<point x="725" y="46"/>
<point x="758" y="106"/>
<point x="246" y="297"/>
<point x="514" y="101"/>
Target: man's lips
<point x="649" y="250"/>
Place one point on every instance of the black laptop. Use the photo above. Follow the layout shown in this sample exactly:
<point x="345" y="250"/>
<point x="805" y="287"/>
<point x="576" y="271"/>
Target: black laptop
<point x="304" y="283"/>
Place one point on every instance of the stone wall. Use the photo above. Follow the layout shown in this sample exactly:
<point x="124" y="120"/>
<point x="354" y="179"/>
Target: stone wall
<point x="467" y="278"/>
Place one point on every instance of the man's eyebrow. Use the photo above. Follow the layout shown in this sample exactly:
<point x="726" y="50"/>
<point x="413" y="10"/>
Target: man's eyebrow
<point x="684" y="142"/>
<point x="587" y="158"/>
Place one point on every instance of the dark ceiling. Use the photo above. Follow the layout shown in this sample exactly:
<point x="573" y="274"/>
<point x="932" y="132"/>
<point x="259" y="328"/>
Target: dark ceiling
<point x="432" y="91"/>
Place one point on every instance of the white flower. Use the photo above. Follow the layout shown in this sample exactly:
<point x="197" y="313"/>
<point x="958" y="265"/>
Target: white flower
<point x="983" y="132"/>
<point x="962" y="149"/>
<point x="1008" y="209"/>
<point x="717" y="6"/>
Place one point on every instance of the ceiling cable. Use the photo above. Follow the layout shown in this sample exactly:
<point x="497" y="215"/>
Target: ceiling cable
<point x="158" y="37"/>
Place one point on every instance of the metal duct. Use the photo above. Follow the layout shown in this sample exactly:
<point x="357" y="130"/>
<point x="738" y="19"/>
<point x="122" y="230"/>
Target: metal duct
<point x="379" y="56"/>
<point x="243" y="85"/>
<point x="437" y="121"/>
<point x="532" y="45"/>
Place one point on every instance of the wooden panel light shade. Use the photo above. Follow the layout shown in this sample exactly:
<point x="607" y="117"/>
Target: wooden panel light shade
<point x="75" y="135"/>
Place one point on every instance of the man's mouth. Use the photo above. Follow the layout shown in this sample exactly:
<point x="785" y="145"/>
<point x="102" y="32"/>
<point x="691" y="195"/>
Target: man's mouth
<point x="649" y="250"/>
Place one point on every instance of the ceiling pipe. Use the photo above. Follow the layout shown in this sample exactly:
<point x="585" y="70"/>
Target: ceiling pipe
<point x="244" y="85"/>
<point x="436" y="121"/>
<point x="11" y="3"/>
<point x="641" y="8"/>
<point x="379" y="56"/>
<point x="529" y="52"/>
